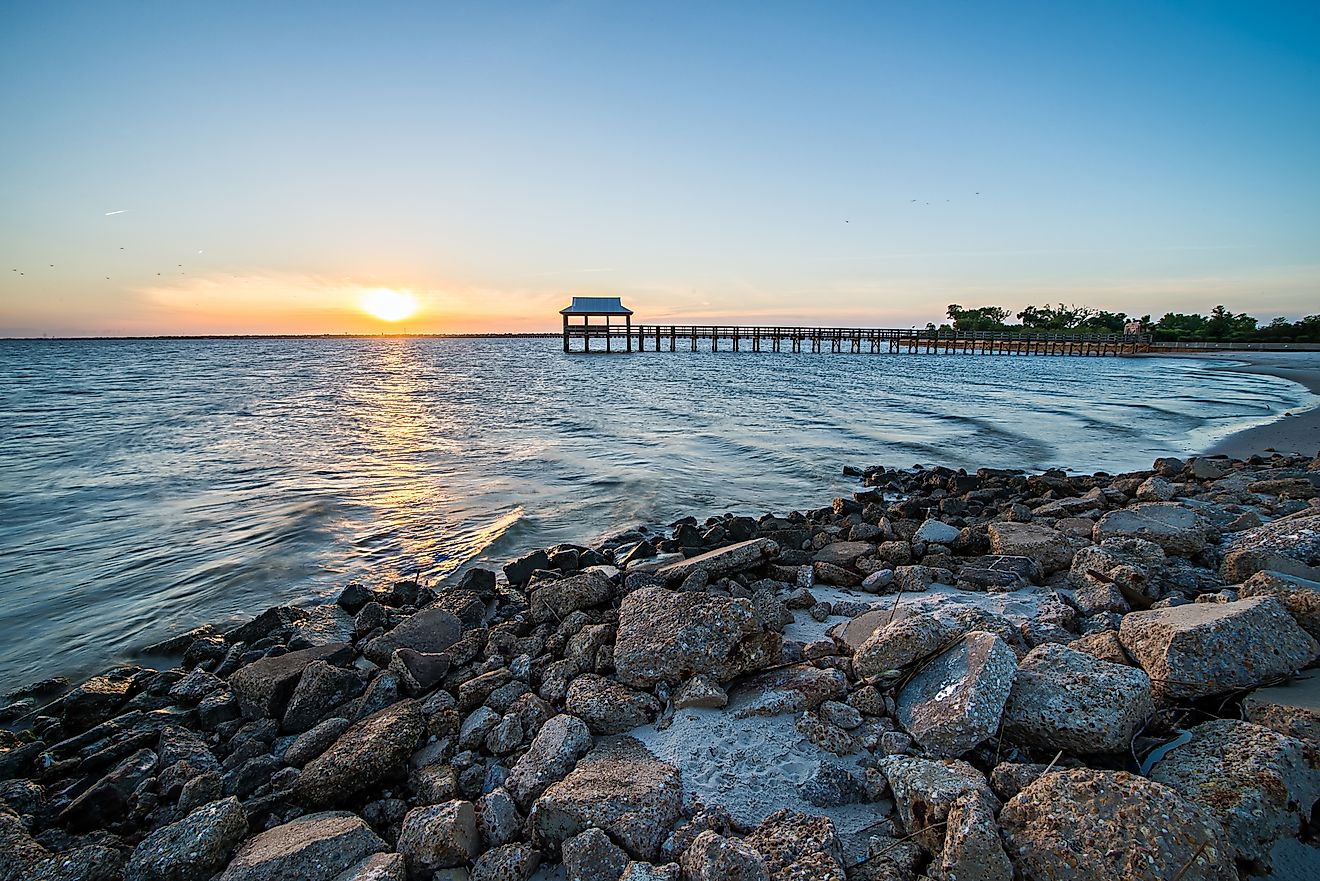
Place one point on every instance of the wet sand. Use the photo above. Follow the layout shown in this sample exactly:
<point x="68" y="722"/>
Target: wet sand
<point x="1298" y="433"/>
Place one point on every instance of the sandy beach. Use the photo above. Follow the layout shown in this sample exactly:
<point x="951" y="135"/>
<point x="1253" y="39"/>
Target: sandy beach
<point x="1298" y="433"/>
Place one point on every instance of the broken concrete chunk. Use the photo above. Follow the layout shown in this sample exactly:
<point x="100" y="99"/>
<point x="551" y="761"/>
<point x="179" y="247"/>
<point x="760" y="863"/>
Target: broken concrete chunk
<point x="955" y="701"/>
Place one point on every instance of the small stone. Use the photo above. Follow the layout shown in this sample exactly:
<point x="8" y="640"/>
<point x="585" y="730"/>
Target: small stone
<point x="1156" y="489"/>
<point x="591" y="856"/>
<point x="841" y="715"/>
<point x="498" y="818"/>
<point x="797" y="846"/>
<point x="314" y="741"/>
<point x="429" y="631"/>
<point x="556" y="600"/>
<point x="263" y="687"/>
<point x="1176" y="529"/>
<point x="700" y="691"/>
<point x="508" y="862"/>
<point x="900" y="644"/>
<point x="320" y="690"/>
<point x="438" y="836"/>
<point x="553" y="753"/>
<point x="362" y="755"/>
<point x="1048" y="547"/>
<point x="973" y="850"/>
<point x="712" y="857"/>
<point x="725" y="561"/>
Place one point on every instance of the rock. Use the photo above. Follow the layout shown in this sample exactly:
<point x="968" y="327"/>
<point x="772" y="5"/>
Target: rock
<point x="954" y="703"/>
<point x="1103" y="645"/>
<point x="1068" y="700"/>
<point x="196" y="685"/>
<point x="712" y="857"/>
<point x="508" y="862"/>
<point x="498" y="819"/>
<point x="429" y="631"/>
<point x="724" y="561"/>
<point x="1292" y="708"/>
<point x="936" y="532"/>
<point x="1260" y="784"/>
<point x="843" y="553"/>
<point x="925" y="791"/>
<point x="798" y="846"/>
<point x="363" y="755"/>
<point x="520" y="570"/>
<point x="202" y="789"/>
<point x="787" y="690"/>
<point x="419" y="672"/>
<point x="666" y="636"/>
<point x="108" y="799"/>
<point x="197" y="846"/>
<point x="899" y="644"/>
<point x="608" y="707"/>
<point x="264" y="624"/>
<point x="829" y="573"/>
<point x="314" y="741"/>
<point x="263" y="688"/>
<point x="553" y="753"/>
<point x="377" y="867"/>
<point x="315" y="847"/>
<point x="321" y="689"/>
<point x="619" y="787"/>
<point x="1048" y="547"/>
<point x="635" y="871"/>
<point x="1156" y="489"/>
<point x="829" y="785"/>
<point x="556" y="600"/>
<point x="1300" y="596"/>
<point x="699" y="691"/>
<point x="324" y="625"/>
<point x="1290" y="545"/>
<point x="591" y="856"/>
<point x="842" y="715"/>
<point x="1086" y="825"/>
<point x="437" y="837"/>
<point x="353" y="597"/>
<point x="479" y="723"/>
<point x="97" y="699"/>
<point x="1176" y="529"/>
<point x="1203" y="468"/>
<point x="973" y="850"/>
<point x="1201" y="649"/>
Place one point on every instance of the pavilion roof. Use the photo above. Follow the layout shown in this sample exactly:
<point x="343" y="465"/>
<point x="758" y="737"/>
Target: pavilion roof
<point x="596" y="306"/>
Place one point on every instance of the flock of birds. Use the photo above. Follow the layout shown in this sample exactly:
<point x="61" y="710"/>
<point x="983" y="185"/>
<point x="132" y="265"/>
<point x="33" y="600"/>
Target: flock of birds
<point x="121" y="247"/>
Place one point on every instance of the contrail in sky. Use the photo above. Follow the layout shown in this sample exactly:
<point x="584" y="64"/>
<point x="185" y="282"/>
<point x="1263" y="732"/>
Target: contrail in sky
<point x="108" y="213"/>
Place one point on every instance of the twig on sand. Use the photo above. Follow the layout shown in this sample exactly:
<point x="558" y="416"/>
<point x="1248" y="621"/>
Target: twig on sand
<point x="894" y="610"/>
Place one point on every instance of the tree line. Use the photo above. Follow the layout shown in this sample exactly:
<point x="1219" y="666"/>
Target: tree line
<point x="1221" y="325"/>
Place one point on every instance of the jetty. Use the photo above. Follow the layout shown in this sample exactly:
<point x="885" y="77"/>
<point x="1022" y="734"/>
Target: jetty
<point x="609" y="336"/>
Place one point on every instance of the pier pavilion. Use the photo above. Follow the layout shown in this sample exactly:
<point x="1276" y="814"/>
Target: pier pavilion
<point x="596" y="307"/>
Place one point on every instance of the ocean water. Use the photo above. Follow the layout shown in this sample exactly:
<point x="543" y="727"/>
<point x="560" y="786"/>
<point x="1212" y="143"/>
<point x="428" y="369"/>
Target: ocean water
<point x="147" y="487"/>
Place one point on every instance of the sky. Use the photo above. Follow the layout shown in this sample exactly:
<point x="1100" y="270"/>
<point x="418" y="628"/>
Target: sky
<point x="230" y="167"/>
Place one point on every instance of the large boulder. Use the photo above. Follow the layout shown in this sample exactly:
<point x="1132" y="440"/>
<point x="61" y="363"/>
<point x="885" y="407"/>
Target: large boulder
<point x="1048" y="547"/>
<point x="363" y="755"/>
<point x="554" y="751"/>
<point x="1176" y="529"/>
<point x="955" y="701"/>
<point x="724" y="561"/>
<point x="1085" y="825"/>
<point x="429" y="631"/>
<point x="668" y="636"/>
<point x="1069" y="700"/>
<point x="263" y="688"/>
<point x="557" y="599"/>
<point x="197" y="846"/>
<point x="619" y="787"/>
<point x="1201" y="649"/>
<point x="315" y="847"/>
<point x="1260" y="784"/>
<point x="1290" y="545"/>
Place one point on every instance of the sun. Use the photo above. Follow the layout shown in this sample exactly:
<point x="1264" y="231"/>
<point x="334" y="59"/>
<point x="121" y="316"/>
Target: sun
<point x="387" y="304"/>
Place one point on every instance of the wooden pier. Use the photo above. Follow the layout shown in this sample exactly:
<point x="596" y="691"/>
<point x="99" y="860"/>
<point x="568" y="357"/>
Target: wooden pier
<point x="846" y="340"/>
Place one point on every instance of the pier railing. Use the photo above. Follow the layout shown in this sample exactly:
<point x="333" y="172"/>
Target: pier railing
<point x="855" y="340"/>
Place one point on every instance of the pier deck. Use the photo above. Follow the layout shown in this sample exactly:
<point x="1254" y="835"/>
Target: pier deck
<point x="854" y="340"/>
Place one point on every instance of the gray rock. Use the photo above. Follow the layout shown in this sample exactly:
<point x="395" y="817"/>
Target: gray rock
<point x="315" y="847"/>
<point x="1048" y="547"/>
<point x="437" y="837"/>
<point x="263" y="688"/>
<point x="724" y="561"/>
<point x="556" y="600"/>
<point x="608" y="707"/>
<point x="973" y="850"/>
<point x="553" y="753"/>
<point x="635" y="871"/>
<point x="591" y="856"/>
<point x="843" y="553"/>
<point x="1260" y="784"/>
<point x="197" y="846"/>
<point x="377" y="867"/>
<point x="473" y="730"/>
<point x="1156" y="489"/>
<point x="196" y="685"/>
<point x="321" y="689"/>
<point x="323" y="625"/>
<point x="1105" y="825"/>
<point x="795" y="847"/>
<point x="314" y="741"/>
<point x="108" y="799"/>
<point x="896" y="645"/>
<point x="1176" y="529"/>
<point x="955" y="701"/>
<point x="1292" y="708"/>
<point x="1203" y="468"/>
<point x="937" y="532"/>
<point x="699" y="691"/>
<point x="712" y="857"/>
<point x="419" y="672"/>
<point x="429" y="631"/>
<point x="97" y="699"/>
<point x="667" y="636"/>
<point x="1300" y="596"/>
<point x="363" y="755"/>
<point x="786" y="690"/>
<point x="1290" y="545"/>
<point x="498" y="819"/>
<point x="1202" y="649"/>
<point x="508" y="862"/>
<point x="619" y="787"/>
<point x="925" y="791"/>
<point x="1068" y="700"/>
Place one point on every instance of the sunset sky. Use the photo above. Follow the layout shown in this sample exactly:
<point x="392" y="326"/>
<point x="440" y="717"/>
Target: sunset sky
<point x="264" y="167"/>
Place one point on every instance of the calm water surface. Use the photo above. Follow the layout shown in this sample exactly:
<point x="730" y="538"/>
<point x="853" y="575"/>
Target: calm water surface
<point x="150" y="486"/>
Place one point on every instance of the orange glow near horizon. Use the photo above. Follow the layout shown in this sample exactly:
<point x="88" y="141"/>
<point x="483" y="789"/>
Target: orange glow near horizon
<point x="389" y="305"/>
